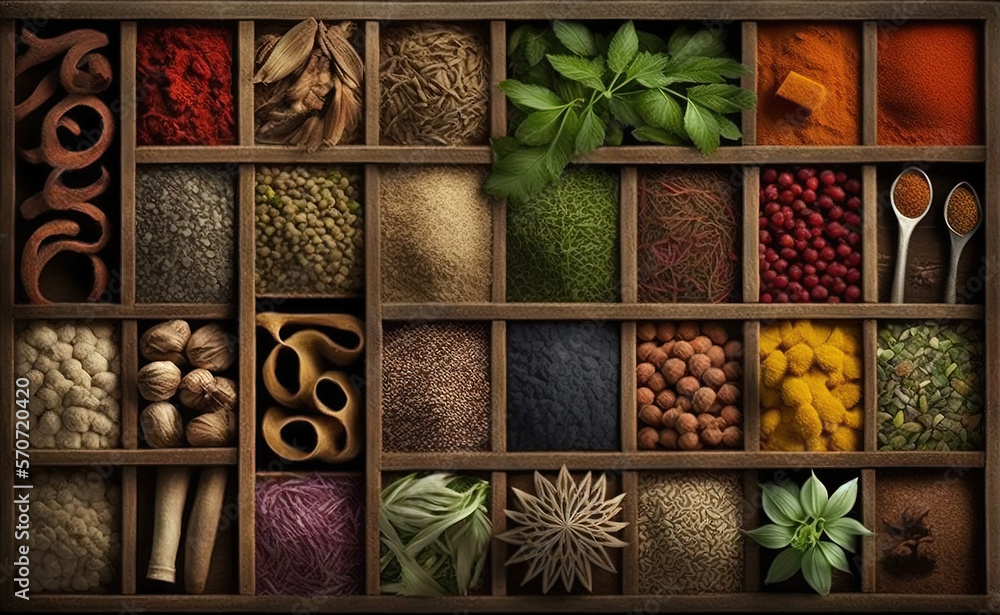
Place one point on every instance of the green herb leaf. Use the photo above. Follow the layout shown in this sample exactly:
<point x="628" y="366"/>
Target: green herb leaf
<point x="534" y="49"/>
<point x="539" y="127"/>
<point x="702" y="127"/>
<point x="576" y="37"/>
<point x="587" y="72"/>
<point x="591" y="134"/>
<point x="530" y="96"/>
<point x="623" y="47"/>
<point x="684" y="44"/>
<point x="728" y="129"/>
<point x="772" y="536"/>
<point x="647" y="69"/>
<point x="784" y="566"/>
<point x="517" y="38"/>
<point x="519" y="174"/>
<point x="651" y="134"/>
<point x="835" y="555"/>
<point x="660" y="109"/>
<point x="562" y="147"/>
<point x="613" y="134"/>
<point x="622" y="108"/>
<point x="703" y="70"/>
<point x="501" y="146"/>
<point x="842" y="501"/>
<point x="722" y="97"/>
<point x="813" y="497"/>
<point x="780" y="506"/>
<point x="817" y="571"/>
<point x="651" y="42"/>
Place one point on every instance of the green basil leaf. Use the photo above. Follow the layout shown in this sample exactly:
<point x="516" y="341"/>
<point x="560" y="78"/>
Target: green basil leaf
<point x="576" y="37"/>
<point x="817" y="571"/>
<point x="772" y="536"/>
<point x="534" y="49"/>
<point x="814" y="496"/>
<point x="529" y="96"/>
<point x="613" y="134"/>
<point x="647" y="69"/>
<point x="683" y="44"/>
<point x="784" y="566"/>
<point x="835" y="555"/>
<point x="722" y="97"/>
<point x="519" y="174"/>
<point x="702" y="128"/>
<point x="623" y="47"/>
<point x="780" y="506"/>
<point x="588" y="72"/>
<point x="539" y="127"/>
<point x="660" y="109"/>
<point x="501" y="146"/>
<point x="591" y="134"/>
<point x="560" y="151"/>
<point x="703" y="70"/>
<point x="622" y="108"/>
<point x="730" y="131"/>
<point x="651" y="42"/>
<point x="651" y="134"/>
<point x="842" y="501"/>
<point x="517" y="38"/>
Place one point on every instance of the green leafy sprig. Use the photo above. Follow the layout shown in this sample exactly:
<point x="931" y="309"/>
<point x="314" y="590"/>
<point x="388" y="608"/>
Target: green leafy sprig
<point x="801" y="519"/>
<point x="574" y="90"/>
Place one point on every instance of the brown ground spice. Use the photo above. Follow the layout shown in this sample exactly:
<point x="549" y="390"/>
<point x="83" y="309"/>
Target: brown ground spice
<point x="436" y="387"/>
<point x="829" y="53"/>
<point x="912" y="195"/>
<point x="963" y="214"/>
<point x="956" y="525"/>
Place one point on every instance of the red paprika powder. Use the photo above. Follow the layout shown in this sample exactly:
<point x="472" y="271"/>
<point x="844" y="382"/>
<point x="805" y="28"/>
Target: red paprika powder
<point x="928" y="84"/>
<point x="184" y="85"/>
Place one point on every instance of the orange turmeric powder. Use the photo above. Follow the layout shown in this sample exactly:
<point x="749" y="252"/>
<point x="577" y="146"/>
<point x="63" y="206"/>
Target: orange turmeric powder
<point x="828" y="53"/>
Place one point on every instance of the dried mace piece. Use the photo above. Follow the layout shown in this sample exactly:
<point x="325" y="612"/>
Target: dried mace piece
<point x="166" y="342"/>
<point x="211" y="348"/>
<point x="162" y="426"/>
<point x="203" y="392"/>
<point x="212" y="429"/>
<point x="158" y="381"/>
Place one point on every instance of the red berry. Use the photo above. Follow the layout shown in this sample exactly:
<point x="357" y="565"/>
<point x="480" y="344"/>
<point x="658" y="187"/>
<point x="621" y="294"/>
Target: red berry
<point x="782" y="298"/>
<point x="838" y="287"/>
<point x="771" y="192"/>
<point x="795" y="271"/>
<point x="786" y="241"/>
<point x="785" y="179"/>
<point x="843" y="250"/>
<point x="804" y="174"/>
<point x="826" y="280"/>
<point x="804" y="296"/>
<point x="795" y="288"/>
<point x="798" y="206"/>
<point x="833" y="299"/>
<point x="762" y="222"/>
<point x="835" y="192"/>
<point x="819" y="243"/>
<point x="766" y="298"/>
<point x="769" y="275"/>
<point x="854" y="203"/>
<point x="853" y="260"/>
<point x="769" y="175"/>
<point x="841" y="177"/>
<point x="771" y="256"/>
<point x="809" y="196"/>
<point x="812" y="183"/>
<point x="852" y="186"/>
<point x="788" y="253"/>
<point x="796" y="189"/>
<point x="815" y="219"/>
<point x="853" y="238"/>
<point x="809" y="269"/>
<point x="852" y="293"/>
<point x="819" y="293"/>
<point x="827" y="253"/>
<point x="789" y="223"/>
<point x="816" y="231"/>
<point x="820" y="265"/>
<point x="835" y="213"/>
<point x="777" y="219"/>
<point x="837" y="270"/>
<point x="786" y="197"/>
<point x="810" y="281"/>
<point x="765" y="237"/>
<point x="810" y="255"/>
<point x="852" y="276"/>
<point x="835" y="231"/>
<point x="772" y="208"/>
<point x="801" y="244"/>
<point x="852" y="219"/>
<point x="827" y="177"/>
<point x="781" y="282"/>
<point x="824" y="202"/>
<point x="780" y="265"/>
<point x="802" y="233"/>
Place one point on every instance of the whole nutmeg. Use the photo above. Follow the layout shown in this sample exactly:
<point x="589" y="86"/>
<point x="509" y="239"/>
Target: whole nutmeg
<point x="158" y="381"/>
<point x="686" y="423"/>
<point x="697" y="364"/>
<point x="733" y="370"/>
<point x="732" y="437"/>
<point x="711" y="436"/>
<point x="644" y="396"/>
<point x="645" y="331"/>
<point x="647" y="438"/>
<point x="673" y="370"/>
<point x="682" y="350"/>
<point x="715" y="332"/>
<point x="701" y="344"/>
<point x="162" y="426"/>
<point x="657" y="357"/>
<point x="714" y="377"/>
<point x="203" y="392"/>
<point x="665" y="399"/>
<point x="212" y="429"/>
<point x="716" y="355"/>
<point x="728" y="394"/>
<point x="703" y="399"/>
<point x="684" y="403"/>
<point x="642" y="350"/>
<point x="687" y="386"/>
<point x="733" y="349"/>
<point x="731" y="415"/>
<point x="166" y="342"/>
<point x="669" y="418"/>
<point x="211" y="348"/>
<point x="665" y="331"/>
<point x="656" y="382"/>
<point x="643" y="371"/>
<point x="668" y="347"/>
<point x="706" y="421"/>
<point x="688" y="330"/>
<point x="689" y="442"/>
<point x="668" y="439"/>
<point x="650" y="415"/>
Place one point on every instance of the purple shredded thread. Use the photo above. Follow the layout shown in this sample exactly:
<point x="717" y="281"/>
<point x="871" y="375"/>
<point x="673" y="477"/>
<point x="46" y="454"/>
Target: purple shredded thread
<point x="310" y="536"/>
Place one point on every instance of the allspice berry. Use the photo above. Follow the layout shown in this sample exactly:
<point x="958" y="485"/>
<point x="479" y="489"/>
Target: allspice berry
<point x="166" y="342"/>
<point x="158" y="381"/>
<point x="211" y="348"/>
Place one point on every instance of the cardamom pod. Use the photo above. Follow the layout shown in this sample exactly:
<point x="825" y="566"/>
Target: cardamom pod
<point x="289" y="53"/>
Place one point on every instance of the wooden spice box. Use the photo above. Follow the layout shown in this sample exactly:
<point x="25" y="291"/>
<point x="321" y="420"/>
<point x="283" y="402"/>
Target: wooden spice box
<point x="497" y="463"/>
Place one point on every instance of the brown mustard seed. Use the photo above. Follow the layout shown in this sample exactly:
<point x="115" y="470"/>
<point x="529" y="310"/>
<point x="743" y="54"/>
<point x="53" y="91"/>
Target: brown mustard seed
<point x="912" y="194"/>
<point x="963" y="213"/>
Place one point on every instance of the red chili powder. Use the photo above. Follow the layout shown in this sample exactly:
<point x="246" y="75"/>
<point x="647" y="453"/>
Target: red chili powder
<point x="184" y="85"/>
<point x="928" y="84"/>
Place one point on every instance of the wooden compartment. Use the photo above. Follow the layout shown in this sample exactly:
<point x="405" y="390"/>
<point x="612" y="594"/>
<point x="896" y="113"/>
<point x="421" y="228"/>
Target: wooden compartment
<point x="246" y="460"/>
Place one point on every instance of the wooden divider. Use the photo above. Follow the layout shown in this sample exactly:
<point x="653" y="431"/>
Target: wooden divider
<point x="498" y="387"/>
<point x="751" y="520"/>
<point x="126" y="134"/>
<point x="628" y="413"/>
<point x="629" y="234"/>
<point x="869" y="83"/>
<point x="248" y="371"/>
<point x="869" y="386"/>
<point x="630" y="512"/>
<point x="751" y="391"/>
<point x="373" y="372"/>
<point x="869" y="516"/>
<point x="372" y="90"/>
<point x="869" y="234"/>
<point x="749" y="81"/>
<point x="498" y="548"/>
<point x="751" y="234"/>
